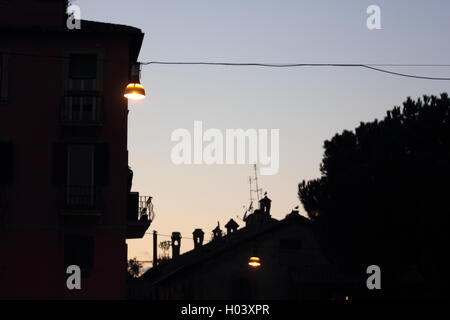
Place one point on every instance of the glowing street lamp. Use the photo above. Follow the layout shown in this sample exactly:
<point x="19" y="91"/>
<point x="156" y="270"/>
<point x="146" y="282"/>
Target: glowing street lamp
<point x="254" y="262"/>
<point x="135" y="90"/>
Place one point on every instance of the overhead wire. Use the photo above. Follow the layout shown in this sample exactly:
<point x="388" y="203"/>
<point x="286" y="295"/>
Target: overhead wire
<point x="370" y="66"/>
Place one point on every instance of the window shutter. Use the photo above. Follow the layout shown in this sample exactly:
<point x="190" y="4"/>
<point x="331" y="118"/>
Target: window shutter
<point x="3" y="77"/>
<point x="60" y="163"/>
<point x="102" y="164"/>
<point x="6" y="162"/>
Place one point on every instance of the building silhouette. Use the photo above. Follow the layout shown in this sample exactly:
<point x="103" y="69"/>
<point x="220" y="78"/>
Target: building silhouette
<point x="65" y="184"/>
<point x="292" y="265"/>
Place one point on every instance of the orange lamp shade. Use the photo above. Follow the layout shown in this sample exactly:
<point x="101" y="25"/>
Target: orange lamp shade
<point x="134" y="91"/>
<point x="254" y="262"/>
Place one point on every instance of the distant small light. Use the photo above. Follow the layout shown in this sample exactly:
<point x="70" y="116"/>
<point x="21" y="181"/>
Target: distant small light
<point x="254" y="262"/>
<point x="346" y="298"/>
<point x="135" y="91"/>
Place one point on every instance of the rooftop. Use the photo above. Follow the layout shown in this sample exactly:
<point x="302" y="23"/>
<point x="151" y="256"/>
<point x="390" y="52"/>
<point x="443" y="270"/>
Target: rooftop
<point x="87" y="28"/>
<point x="217" y="247"/>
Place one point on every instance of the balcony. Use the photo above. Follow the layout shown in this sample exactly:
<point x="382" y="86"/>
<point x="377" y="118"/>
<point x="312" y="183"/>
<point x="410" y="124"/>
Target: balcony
<point x="81" y="110"/>
<point x="139" y="216"/>
<point x="80" y="202"/>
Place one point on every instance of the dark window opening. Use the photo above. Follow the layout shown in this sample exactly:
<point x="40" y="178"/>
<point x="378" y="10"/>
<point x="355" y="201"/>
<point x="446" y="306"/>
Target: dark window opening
<point x="79" y="251"/>
<point x="82" y="73"/>
<point x="83" y="66"/>
<point x="80" y="171"/>
<point x="6" y="162"/>
<point x="80" y="164"/>
<point x="1" y="74"/>
<point x="3" y="77"/>
<point x="79" y="108"/>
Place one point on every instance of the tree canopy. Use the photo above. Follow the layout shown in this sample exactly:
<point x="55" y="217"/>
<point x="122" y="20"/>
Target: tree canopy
<point x="134" y="267"/>
<point x="382" y="194"/>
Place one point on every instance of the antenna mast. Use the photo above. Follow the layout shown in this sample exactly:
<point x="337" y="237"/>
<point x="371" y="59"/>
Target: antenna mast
<point x="257" y="190"/>
<point x="251" y="190"/>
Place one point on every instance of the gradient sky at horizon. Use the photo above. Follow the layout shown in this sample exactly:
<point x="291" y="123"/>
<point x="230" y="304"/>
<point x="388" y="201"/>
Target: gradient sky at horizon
<point x="308" y="105"/>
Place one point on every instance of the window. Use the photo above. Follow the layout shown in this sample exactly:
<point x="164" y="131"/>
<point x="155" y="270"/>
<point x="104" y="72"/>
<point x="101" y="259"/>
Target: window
<point x="6" y="162"/>
<point x="80" y="175"/>
<point x="81" y="170"/>
<point x="3" y="77"/>
<point x="79" y="109"/>
<point x="79" y="250"/>
<point x="85" y="164"/>
<point x="83" y="72"/>
<point x="1" y="71"/>
<point x="83" y="66"/>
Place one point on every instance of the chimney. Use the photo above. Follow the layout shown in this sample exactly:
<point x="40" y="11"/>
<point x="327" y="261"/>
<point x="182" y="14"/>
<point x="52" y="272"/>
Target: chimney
<point x="264" y="205"/>
<point x="198" y="238"/>
<point x="176" y="244"/>
<point x="260" y="216"/>
<point x="217" y="232"/>
<point x="155" y="248"/>
<point x="231" y="226"/>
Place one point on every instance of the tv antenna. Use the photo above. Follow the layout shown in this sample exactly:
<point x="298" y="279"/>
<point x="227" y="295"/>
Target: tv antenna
<point x="254" y="189"/>
<point x="257" y="189"/>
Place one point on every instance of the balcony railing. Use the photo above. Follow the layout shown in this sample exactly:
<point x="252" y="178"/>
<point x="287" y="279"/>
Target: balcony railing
<point x="139" y="216"/>
<point x="81" y="109"/>
<point x="80" y="198"/>
<point x="82" y="85"/>
<point x="146" y="209"/>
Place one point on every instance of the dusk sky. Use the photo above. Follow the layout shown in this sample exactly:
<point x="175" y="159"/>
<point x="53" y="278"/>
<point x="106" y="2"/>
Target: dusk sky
<point x="308" y="105"/>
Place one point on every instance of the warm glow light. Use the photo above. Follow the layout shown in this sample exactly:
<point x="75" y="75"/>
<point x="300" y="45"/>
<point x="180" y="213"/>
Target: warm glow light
<point x="135" y="91"/>
<point x="254" y="262"/>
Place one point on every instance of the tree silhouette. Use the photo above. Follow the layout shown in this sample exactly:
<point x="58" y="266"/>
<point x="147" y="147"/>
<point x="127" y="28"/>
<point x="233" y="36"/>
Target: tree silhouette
<point x="382" y="195"/>
<point x="134" y="267"/>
